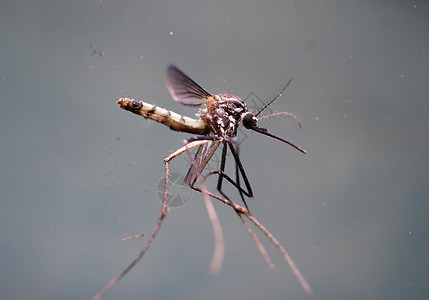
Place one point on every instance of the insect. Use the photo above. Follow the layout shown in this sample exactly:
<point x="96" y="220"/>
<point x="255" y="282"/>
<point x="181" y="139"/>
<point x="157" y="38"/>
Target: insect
<point x="217" y="125"/>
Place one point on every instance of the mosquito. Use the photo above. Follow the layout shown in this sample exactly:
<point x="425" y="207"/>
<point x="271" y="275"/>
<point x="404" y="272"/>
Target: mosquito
<point x="217" y="125"/>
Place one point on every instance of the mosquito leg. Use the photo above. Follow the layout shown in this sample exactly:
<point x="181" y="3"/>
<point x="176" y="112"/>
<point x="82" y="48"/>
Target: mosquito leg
<point x="222" y="168"/>
<point x="221" y="171"/>
<point x="218" y="253"/>
<point x="223" y="175"/>
<point x="219" y="249"/>
<point x="237" y="180"/>
<point x="230" y="180"/>
<point x="239" y="188"/>
<point x="242" y="211"/>
<point x="225" y="200"/>
<point x="306" y="287"/>
<point x="240" y="167"/>
<point x="118" y="277"/>
<point x="235" y="206"/>
<point x="204" y="154"/>
<point x="258" y="243"/>
<point x="202" y="138"/>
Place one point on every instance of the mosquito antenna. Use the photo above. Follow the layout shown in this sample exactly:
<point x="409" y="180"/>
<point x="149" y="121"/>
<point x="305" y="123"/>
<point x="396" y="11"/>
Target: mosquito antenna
<point x="285" y="113"/>
<point x="275" y="98"/>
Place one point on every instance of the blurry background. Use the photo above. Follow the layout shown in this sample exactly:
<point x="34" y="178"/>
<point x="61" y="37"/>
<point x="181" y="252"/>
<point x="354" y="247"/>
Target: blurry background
<point x="78" y="173"/>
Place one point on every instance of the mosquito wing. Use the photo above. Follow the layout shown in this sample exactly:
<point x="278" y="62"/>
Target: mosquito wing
<point x="202" y="157"/>
<point x="183" y="89"/>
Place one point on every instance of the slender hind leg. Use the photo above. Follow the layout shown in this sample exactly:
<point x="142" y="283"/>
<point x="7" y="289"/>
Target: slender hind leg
<point x="242" y="211"/>
<point x="164" y="207"/>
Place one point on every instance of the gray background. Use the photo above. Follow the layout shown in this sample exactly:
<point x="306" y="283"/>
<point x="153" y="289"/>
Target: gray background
<point x="78" y="173"/>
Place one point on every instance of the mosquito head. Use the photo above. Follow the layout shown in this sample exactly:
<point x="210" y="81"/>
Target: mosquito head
<point x="250" y="122"/>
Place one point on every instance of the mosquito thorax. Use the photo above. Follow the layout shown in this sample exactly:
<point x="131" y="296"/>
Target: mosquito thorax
<point x="224" y="112"/>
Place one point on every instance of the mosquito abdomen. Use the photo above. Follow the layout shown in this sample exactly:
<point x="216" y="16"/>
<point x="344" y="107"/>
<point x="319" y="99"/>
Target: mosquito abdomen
<point x="171" y="119"/>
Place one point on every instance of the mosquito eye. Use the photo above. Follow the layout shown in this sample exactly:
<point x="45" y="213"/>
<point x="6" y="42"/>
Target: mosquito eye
<point x="249" y="121"/>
